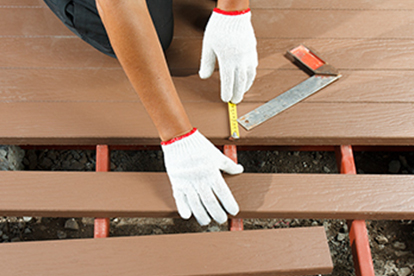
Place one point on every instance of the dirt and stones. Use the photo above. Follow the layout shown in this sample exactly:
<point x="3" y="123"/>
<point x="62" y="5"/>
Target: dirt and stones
<point x="392" y="242"/>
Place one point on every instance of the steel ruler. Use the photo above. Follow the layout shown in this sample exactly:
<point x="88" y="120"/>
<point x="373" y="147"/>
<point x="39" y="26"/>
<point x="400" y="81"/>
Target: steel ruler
<point x="323" y="75"/>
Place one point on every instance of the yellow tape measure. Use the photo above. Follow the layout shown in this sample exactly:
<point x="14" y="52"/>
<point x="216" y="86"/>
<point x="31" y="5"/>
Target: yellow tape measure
<point x="234" y="125"/>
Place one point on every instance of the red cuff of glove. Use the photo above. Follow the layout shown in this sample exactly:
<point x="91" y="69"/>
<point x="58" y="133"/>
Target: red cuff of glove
<point x="175" y="139"/>
<point x="217" y="10"/>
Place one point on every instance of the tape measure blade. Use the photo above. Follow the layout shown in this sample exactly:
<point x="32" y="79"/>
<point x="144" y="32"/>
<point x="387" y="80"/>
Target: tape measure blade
<point x="234" y="125"/>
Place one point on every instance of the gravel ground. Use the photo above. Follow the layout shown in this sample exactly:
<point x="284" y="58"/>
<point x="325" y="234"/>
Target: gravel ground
<point x="392" y="242"/>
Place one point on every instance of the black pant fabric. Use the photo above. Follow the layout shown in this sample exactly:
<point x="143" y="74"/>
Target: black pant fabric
<point x="82" y="18"/>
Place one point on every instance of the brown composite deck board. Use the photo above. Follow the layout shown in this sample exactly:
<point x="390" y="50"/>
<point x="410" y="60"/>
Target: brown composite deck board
<point x="299" y="251"/>
<point x="285" y="4"/>
<point x="379" y="85"/>
<point x="91" y="85"/>
<point x="344" y="54"/>
<point x="116" y="194"/>
<point x="71" y="52"/>
<point x="52" y="52"/>
<point x="42" y="64"/>
<point x="334" y="4"/>
<point x="128" y="123"/>
<point x="30" y="21"/>
<point x="66" y="85"/>
<point x="354" y="87"/>
<point x="309" y="23"/>
<point x="337" y="124"/>
<point x="19" y="3"/>
<point x="318" y="4"/>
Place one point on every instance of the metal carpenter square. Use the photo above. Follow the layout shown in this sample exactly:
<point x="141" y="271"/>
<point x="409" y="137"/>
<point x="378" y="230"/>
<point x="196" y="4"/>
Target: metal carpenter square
<point x="311" y="60"/>
<point x="286" y="100"/>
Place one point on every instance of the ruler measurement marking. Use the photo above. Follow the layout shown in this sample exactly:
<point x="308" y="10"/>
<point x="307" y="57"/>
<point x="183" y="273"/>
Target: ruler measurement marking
<point x="285" y="100"/>
<point x="234" y="125"/>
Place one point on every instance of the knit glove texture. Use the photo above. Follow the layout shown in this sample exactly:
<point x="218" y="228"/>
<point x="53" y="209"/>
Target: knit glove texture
<point x="230" y="38"/>
<point x="193" y="165"/>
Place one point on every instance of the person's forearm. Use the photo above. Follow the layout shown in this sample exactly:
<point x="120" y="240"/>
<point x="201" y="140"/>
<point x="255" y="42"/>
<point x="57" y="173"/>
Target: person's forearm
<point x="233" y="5"/>
<point x="135" y="42"/>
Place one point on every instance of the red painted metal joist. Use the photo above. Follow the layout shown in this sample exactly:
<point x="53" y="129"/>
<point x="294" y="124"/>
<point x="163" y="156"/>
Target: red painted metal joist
<point x="231" y="152"/>
<point x="101" y="227"/>
<point x="358" y="234"/>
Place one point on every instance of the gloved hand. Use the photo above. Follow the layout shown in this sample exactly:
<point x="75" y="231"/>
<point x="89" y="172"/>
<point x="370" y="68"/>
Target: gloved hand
<point x="230" y="37"/>
<point x="193" y="165"/>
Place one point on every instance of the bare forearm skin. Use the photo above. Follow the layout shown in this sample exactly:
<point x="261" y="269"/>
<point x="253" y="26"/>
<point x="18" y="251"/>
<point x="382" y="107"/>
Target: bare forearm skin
<point x="135" y="42"/>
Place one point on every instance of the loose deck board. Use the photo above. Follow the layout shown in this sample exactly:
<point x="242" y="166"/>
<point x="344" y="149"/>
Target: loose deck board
<point x="117" y="194"/>
<point x="299" y="251"/>
<point x="45" y="71"/>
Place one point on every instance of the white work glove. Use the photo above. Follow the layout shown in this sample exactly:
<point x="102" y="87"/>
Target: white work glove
<point x="231" y="39"/>
<point x="193" y="165"/>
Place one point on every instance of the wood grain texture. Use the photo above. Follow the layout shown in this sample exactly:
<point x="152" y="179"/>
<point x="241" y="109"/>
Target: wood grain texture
<point x="116" y="194"/>
<point x="21" y="3"/>
<point x="344" y="54"/>
<point x="65" y="85"/>
<point x="37" y="22"/>
<point x="333" y="4"/>
<point x="51" y="52"/>
<point x="103" y="85"/>
<point x="308" y="23"/>
<point x="315" y="4"/>
<point x="72" y="52"/>
<point x="352" y="87"/>
<point x="191" y="21"/>
<point x="332" y="123"/>
<point x="128" y="123"/>
<point x="299" y="251"/>
<point x="62" y="91"/>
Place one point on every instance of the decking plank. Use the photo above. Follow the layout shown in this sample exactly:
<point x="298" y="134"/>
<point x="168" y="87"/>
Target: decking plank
<point x="374" y="87"/>
<point x="344" y="54"/>
<point x="316" y="4"/>
<point x="128" y="123"/>
<point x="101" y="85"/>
<point x="127" y="194"/>
<point x="307" y="23"/>
<point x="271" y="4"/>
<point x="299" y="251"/>
<point x="52" y="52"/>
<point x="191" y="21"/>
<point x="21" y="3"/>
<point x="359" y="86"/>
<point x="333" y="4"/>
<point x="336" y="124"/>
<point x="72" y="52"/>
<point x="65" y="85"/>
<point x="31" y="21"/>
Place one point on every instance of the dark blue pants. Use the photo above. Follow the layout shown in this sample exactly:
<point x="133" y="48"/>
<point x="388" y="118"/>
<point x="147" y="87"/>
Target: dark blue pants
<point x="82" y="18"/>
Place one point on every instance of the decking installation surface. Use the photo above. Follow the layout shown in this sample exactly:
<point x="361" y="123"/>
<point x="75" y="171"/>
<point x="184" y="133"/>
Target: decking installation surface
<point x="56" y="89"/>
